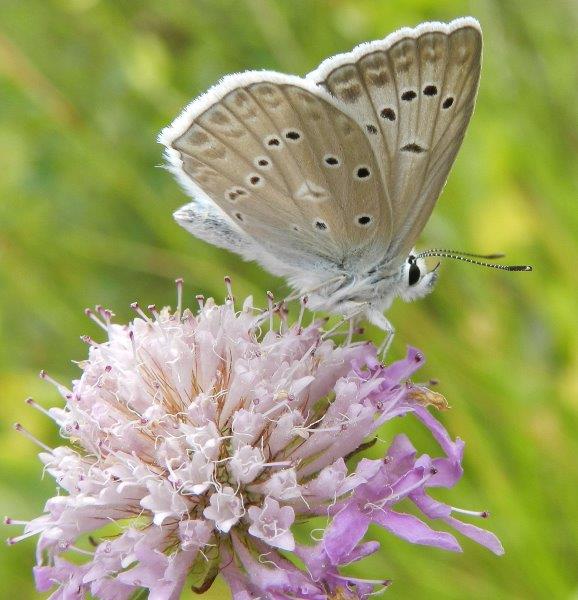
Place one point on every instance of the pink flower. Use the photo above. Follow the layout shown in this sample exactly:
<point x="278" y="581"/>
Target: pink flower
<point x="272" y="523"/>
<point x="197" y="441"/>
<point x="225" y="509"/>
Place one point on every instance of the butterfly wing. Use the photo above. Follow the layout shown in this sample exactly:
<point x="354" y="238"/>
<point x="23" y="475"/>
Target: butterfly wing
<point x="286" y="168"/>
<point x="414" y="94"/>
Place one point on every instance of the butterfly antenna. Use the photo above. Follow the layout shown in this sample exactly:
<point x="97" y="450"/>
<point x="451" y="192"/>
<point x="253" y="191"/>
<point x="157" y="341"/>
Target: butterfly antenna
<point x="469" y="254"/>
<point x="466" y="257"/>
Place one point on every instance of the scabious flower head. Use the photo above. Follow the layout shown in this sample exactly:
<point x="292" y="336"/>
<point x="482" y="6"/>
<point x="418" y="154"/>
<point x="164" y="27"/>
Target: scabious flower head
<point x="197" y="443"/>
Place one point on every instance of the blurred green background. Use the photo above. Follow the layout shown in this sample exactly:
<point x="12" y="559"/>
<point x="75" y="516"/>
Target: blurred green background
<point x="85" y="218"/>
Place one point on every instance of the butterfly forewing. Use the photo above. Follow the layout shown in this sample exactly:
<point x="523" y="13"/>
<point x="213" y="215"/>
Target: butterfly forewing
<point x="419" y="86"/>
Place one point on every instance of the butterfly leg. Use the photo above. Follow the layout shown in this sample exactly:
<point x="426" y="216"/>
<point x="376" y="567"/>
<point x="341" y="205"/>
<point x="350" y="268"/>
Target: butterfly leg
<point x="360" y="309"/>
<point x="380" y="320"/>
<point x="337" y="279"/>
<point x="384" y="346"/>
<point x="350" y="332"/>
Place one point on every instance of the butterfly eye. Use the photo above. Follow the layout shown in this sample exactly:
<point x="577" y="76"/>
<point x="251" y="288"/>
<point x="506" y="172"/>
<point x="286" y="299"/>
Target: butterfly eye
<point x="414" y="274"/>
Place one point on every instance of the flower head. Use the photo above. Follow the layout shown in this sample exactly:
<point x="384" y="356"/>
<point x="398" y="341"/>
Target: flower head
<point x="198" y="442"/>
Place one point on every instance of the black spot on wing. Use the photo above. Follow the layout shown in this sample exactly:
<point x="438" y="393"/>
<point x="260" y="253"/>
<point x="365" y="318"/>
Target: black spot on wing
<point x="413" y="147"/>
<point x="388" y="113"/>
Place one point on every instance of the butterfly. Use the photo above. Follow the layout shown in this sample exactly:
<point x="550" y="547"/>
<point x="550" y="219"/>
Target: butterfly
<point x="328" y="180"/>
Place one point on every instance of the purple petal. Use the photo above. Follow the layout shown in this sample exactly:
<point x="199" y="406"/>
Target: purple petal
<point x="449" y="472"/>
<point x="404" y="368"/>
<point x="431" y="508"/>
<point x="322" y="570"/>
<point x="401" y="453"/>
<point x="388" y="486"/>
<point x="479" y="535"/>
<point x="177" y="571"/>
<point x="454" y="450"/>
<point x="344" y="533"/>
<point x="367" y="468"/>
<point x="315" y="558"/>
<point x="411" y="481"/>
<point x="362" y="551"/>
<point x="43" y="578"/>
<point x="112" y="589"/>
<point x="236" y="580"/>
<point x="413" y="530"/>
<point x="284" y="576"/>
<point x="66" y="575"/>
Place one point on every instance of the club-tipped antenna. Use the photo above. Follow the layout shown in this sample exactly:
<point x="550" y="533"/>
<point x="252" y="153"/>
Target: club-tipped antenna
<point x="469" y="258"/>
<point x="492" y="256"/>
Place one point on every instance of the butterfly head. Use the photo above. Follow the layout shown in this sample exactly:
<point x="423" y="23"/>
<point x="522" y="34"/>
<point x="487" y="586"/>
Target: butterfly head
<point x="416" y="281"/>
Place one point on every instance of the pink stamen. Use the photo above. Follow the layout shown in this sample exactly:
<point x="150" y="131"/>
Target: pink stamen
<point x="106" y="314"/>
<point x="20" y="429"/>
<point x="179" y="282"/>
<point x="88" y="340"/>
<point x="10" y="521"/>
<point x="483" y="514"/>
<point x="230" y="297"/>
<point x="139" y="311"/>
<point x="133" y="343"/>
<point x="31" y="402"/>
<point x="92" y="316"/>
<point x="64" y="391"/>
<point x="303" y="303"/>
<point x="270" y="303"/>
<point x="14" y="540"/>
<point x="154" y="311"/>
<point x="283" y="312"/>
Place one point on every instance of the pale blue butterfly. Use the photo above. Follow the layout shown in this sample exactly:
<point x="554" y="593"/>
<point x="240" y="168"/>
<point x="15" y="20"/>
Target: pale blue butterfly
<point x="328" y="180"/>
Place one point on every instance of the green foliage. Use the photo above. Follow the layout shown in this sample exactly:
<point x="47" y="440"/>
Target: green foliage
<point x="85" y="217"/>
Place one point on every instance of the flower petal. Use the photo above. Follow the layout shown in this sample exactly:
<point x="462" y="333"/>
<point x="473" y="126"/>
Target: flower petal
<point x="453" y="450"/>
<point x="479" y="535"/>
<point x="404" y="368"/>
<point x="413" y="530"/>
<point x="345" y="531"/>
